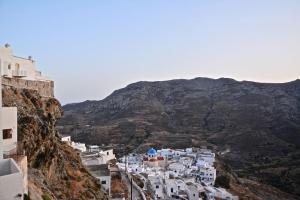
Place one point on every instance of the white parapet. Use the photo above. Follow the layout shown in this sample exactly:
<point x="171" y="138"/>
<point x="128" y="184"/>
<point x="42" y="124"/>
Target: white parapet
<point x="11" y="180"/>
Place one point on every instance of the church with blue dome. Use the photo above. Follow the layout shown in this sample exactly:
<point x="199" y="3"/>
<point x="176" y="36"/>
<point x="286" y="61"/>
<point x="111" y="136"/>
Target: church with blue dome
<point x="152" y="152"/>
<point x="153" y="159"/>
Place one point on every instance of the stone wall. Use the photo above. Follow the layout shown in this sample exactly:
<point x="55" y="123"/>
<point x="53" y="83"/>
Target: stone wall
<point x="45" y="88"/>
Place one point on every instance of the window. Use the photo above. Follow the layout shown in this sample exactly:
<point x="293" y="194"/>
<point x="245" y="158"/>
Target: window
<point x="107" y="153"/>
<point x="103" y="182"/>
<point x="194" y="195"/>
<point x="157" y="186"/>
<point x="9" y="66"/>
<point x="7" y="133"/>
<point x="172" y="190"/>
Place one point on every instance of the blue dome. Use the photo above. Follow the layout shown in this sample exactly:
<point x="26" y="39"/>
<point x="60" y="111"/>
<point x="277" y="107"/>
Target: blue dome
<point x="152" y="152"/>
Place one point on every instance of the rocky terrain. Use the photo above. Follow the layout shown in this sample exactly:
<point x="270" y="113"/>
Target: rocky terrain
<point x="55" y="169"/>
<point x="255" y="127"/>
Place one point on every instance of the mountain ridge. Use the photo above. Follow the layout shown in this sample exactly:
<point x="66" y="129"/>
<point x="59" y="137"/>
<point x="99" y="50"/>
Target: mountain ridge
<point x="258" y="123"/>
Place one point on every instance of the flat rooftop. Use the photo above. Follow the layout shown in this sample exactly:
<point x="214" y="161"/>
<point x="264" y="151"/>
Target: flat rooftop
<point x="99" y="170"/>
<point x="8" y="166"/>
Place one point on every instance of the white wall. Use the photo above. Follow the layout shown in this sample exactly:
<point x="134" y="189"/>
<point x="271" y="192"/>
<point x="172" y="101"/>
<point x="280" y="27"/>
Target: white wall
<point x="66" y="139"/>
<point x="107" y="179"/>
<point x="9" y="121"/>
<point x="11" y="184"/>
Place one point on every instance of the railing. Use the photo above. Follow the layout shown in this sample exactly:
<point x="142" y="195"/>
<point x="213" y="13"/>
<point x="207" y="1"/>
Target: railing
<point x="19" y="73"/>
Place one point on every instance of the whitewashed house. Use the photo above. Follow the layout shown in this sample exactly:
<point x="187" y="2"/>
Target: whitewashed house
<point x="79" y="146"/>
<point x="207" y="175"/>
<point x="167" y="153"/>
<point x="98" y="158"/>
<point x="174" y="186"/>
<point x="220" y="193"/>
<point x="136" y="168"/>
<point x="93" y="148"/>
<point x="66" y="138"/>
<point x="176" y="169"/>
<point x="186" y="161"/>
<point x="17" y="67"/>
<point x="202" y="163"/>
<point x="189" y="150"/>
<point x="207" y="156"/>
<point x="194" y="191"/>
<point x="157" y="186"/>
<point x="102" y="172"/>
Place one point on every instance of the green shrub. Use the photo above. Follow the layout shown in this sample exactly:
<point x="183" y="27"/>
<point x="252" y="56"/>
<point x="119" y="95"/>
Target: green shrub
<point x="46" y="197"/>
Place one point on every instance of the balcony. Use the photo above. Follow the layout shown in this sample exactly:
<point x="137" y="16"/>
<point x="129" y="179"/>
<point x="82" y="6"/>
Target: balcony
<point x="19" y="73"/>
<point x="10" y="175"/>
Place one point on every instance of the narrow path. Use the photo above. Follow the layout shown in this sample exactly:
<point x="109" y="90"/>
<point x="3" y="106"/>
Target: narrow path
<point x="135" y="193"/>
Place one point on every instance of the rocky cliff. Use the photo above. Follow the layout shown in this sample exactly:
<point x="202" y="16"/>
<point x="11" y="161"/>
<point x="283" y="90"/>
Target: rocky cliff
<point x="254" y="126"/>
<point x="55" y="169"/>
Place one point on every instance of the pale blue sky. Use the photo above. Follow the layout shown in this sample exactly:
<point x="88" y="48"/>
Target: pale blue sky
<point x="91" y="48"/>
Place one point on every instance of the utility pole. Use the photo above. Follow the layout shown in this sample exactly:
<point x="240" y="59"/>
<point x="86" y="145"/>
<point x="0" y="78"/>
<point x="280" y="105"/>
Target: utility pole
<point x="131" y="188"/>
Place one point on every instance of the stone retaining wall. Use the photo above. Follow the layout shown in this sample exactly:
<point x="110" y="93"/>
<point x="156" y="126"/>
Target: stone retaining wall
<point x="44" y="88"/>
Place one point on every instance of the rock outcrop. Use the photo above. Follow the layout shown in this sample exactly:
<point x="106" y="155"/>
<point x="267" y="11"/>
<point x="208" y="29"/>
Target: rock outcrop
<point x="254" y="126"/>
<point x="55" y="169"/>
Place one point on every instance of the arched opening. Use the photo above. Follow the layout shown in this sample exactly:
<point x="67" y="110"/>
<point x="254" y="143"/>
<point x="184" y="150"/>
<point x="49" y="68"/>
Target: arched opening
<point x="17" y="66"/>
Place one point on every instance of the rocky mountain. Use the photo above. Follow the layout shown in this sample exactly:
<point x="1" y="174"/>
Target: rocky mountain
<point x="55" y="169"/>
<point x="255" y="127"/>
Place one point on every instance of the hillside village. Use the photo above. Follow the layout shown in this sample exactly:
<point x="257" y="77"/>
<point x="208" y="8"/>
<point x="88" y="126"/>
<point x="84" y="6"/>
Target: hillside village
<point x="176" y="173"/>
<point x="187" y="174"/>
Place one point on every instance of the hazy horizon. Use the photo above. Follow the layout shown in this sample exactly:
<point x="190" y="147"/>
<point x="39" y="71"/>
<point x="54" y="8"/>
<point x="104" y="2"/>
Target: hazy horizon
<point x="92" y="48"/>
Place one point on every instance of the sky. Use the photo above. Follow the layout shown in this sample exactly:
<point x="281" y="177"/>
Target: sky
<point x="92" y="47"/>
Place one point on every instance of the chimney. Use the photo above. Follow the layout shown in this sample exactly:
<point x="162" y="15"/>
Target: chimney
<point x="7" y="45"/>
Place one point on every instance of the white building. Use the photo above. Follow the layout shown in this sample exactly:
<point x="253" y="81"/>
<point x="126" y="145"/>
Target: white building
<point x="79" y="146"/>
<point x="93" y="148"/>
<point x="66" y="138"/>
<point x="194" y="191"/>
<point x="207" y="175"/>
<point x="174" y="186"/>
<point x="13" y="182"/>
<point x="98" y="158"/>
<point x="18" y="67"/>
<point x="102" y="172"/>
<point x="207" y="156"/>
<point x="176" y="169"/>
<point x="9" y="130"/>
<point x="202" y="163"/>
<point x="157" y="186"/>
<point x="220" y="193"/>
<point x="168" y="153"/>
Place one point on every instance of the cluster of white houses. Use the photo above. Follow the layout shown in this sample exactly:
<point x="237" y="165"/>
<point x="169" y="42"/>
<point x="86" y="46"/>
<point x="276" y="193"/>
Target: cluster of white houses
<point x="96" y="159"/>
<point x="177" y="174"/>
